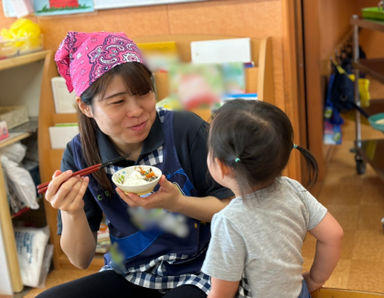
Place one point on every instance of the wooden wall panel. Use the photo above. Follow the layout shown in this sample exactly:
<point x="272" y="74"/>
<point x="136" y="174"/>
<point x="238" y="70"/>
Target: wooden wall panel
<point x="372" y="43"/>
<point x="294" y="96"/>
<point x="221" y="17"/>
<point x="334" y="17"/>
<point x="136" y="21"/>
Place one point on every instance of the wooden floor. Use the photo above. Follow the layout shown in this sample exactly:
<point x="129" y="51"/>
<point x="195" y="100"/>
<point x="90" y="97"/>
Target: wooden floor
<point x="358" y="204"/>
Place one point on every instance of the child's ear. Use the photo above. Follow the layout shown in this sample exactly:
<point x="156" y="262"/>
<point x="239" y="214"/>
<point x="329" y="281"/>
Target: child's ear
<point x="84" y="108"/>
<point x="224" y="169"/>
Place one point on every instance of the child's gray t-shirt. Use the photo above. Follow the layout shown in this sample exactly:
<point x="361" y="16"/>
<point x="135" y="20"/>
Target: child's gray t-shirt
<point x="260" y="238"/>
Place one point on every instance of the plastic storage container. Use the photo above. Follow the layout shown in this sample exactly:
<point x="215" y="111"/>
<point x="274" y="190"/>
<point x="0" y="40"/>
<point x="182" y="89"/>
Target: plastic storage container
<point x="377" y="121"/>
<point x="373" y="13"/>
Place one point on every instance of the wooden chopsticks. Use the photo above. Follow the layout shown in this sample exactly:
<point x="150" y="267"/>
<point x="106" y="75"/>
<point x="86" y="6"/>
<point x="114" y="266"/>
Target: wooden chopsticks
<point x="42" y="188"/>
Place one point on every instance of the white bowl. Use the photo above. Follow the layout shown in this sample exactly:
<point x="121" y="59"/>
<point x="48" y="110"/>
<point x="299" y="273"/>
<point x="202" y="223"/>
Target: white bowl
<point x="130" y="180"/>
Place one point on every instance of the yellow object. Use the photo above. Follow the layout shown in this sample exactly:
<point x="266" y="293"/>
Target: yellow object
<point x="363" y="87"/>
<point x="23" y="36"/>
<point x="168" y="47"/>
<point x="170" y="103"/>
<point x="159" y="55"/>
<point x="364" y="90"/>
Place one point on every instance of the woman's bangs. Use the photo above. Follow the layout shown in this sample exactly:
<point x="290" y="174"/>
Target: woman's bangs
<point x="138" y="78"/>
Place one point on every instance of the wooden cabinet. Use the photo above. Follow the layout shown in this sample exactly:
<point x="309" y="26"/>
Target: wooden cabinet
<point x="259" y="79"/>
<point x="20" y="79"/>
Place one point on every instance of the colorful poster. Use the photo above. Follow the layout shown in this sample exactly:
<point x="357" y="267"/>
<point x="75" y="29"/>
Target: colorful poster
<point x="106" y="4"/>
<point x="58" y="7"/>
<point x="196" y="85"/>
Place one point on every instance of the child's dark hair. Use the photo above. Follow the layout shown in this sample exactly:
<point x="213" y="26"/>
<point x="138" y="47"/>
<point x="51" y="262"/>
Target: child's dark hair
<point x="255" y="139"/>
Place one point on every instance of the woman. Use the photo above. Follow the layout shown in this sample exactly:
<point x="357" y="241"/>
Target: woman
<point x="118" y="117"/>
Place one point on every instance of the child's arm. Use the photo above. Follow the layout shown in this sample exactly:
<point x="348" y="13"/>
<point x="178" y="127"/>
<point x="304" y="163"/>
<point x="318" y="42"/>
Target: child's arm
<point x="223" y="288"/>
<point x="329" y="235"/>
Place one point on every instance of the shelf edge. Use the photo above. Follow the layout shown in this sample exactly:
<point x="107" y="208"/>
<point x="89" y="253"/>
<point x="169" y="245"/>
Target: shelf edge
<point x="22" y="59"/>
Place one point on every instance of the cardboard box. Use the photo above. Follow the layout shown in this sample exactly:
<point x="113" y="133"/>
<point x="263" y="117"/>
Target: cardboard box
<point x="14" y="115"/>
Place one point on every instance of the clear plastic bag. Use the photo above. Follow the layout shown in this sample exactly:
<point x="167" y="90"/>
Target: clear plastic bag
<point x="15" y="204"/>
<point x="21" y="182"/>
<point x="34" y="254"/>
<point x="15" y="152"/>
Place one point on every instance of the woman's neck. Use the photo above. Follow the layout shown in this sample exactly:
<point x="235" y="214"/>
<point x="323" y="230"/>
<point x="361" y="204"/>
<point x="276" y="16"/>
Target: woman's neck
<point x="133" y="150"/>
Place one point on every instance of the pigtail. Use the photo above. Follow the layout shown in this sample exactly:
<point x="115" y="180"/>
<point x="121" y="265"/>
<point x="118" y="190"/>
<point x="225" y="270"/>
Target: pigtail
<point x="311" y="164"/>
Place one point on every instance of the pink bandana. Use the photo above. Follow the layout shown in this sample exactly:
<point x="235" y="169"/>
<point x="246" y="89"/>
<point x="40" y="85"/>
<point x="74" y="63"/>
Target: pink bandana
<point x="84" y="57"/>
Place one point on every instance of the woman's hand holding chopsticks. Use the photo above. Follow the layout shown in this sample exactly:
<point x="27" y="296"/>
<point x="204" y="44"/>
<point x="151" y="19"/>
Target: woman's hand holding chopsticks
<point x="41" y="188"/>
<point x="65" y="191"/>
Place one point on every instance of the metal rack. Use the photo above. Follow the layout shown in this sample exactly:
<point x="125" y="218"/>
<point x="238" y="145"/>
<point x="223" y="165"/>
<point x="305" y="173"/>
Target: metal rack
<point x="367" y="151"/>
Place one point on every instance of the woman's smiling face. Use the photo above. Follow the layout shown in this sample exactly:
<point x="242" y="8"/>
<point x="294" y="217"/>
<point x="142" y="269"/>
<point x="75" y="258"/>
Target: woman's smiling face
<point x="126" y="118"/>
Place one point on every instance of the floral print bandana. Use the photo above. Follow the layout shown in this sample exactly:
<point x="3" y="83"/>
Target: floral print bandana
<point x="82" y="57"/>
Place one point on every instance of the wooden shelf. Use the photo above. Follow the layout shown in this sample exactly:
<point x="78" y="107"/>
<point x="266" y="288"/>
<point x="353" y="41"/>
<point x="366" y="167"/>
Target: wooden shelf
<point x="13" y="138"/>
<point x="64" y="118"/>
<point x="376" y="105"/>
<point x="20" y="132"/>
<point x="368" y="24"/>
<point x="22" y="60"/>
<point x="373" y="67"/>
<point x="16" y="134"/>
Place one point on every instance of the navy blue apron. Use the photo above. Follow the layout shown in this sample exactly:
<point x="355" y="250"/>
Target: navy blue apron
<point x="138" y="247"/>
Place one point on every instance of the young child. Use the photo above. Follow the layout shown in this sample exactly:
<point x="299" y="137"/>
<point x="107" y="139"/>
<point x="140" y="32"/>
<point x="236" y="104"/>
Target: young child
<point x="255" y="249"/>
